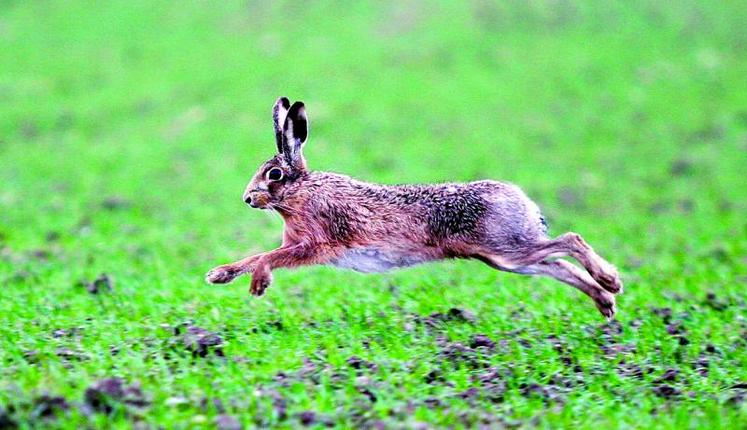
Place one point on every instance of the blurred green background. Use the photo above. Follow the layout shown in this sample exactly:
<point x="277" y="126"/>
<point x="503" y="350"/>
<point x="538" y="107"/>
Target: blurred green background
<point x="128" y="131"/>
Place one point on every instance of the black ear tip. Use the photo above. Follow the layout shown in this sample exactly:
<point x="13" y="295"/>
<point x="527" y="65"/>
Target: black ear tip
<point x="298" y="107"/>
<point x="283" y="101"/>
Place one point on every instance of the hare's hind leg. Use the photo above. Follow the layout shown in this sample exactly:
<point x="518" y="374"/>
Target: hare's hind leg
<point x="576" y="277"/>
<point x="569" y="244"/>
<point x="600" y="269"/>
<point x="562" y="271"/>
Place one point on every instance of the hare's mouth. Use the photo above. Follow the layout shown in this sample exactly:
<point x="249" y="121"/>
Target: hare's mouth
<point x="260" y="201"/>
<point x="268" y="206"/>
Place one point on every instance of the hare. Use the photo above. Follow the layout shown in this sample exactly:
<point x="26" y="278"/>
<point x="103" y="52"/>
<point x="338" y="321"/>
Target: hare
<point x="336" y="220"/>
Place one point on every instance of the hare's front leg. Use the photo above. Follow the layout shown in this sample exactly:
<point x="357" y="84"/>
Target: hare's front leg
<point x="287" y="256"/>
<point x="228" y="272"/>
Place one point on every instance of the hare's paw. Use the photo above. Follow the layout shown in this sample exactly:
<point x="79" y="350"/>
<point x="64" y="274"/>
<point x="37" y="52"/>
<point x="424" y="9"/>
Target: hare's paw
<point x="222" y="274"/>
<point x="606" y="304"/>
<point x="260" y="281"/>
<point x="609" y="279"/>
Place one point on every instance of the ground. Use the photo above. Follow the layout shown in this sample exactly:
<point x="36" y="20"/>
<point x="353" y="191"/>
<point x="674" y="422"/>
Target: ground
<point x="128" y="131"/>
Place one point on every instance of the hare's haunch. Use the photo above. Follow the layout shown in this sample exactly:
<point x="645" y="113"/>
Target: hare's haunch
<point x="334" y="219"/>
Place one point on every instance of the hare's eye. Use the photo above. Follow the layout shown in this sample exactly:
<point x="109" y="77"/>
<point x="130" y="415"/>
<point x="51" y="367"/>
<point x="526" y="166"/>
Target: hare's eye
<point x="275" y="174"/>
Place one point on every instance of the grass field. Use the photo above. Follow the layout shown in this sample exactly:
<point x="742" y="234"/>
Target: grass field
<point x="128" y="131"/>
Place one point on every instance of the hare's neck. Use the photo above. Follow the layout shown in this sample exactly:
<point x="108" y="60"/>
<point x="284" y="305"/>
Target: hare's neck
<point x="288" y="216"/>
<point x="292" y="234"/>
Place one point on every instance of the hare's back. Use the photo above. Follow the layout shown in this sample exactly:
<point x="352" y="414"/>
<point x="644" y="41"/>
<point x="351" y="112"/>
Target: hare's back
<point x="492" y="212"/>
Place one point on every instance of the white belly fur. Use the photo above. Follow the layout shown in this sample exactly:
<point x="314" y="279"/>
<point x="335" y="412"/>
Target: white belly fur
<point x="374" y="260"/>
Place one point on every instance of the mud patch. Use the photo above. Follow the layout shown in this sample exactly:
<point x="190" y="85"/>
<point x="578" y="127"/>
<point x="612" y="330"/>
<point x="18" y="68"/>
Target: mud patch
<point x="227" y="422"/>
<point x="6" y="421"/>
<point x="114" y="203"/>
<point x="457" y="315"/>
<point x="457" y="353"/>
<point x="104" y="395"/>
<point x="630" y="370"/>
<point x="102" y="284"/>
<point x="666" y="391"/>
<point x="70" y="355"/>
<point x="664" y="313"/>
<point x="492" y="383"/>
<point x="48" y="406"/>
<point x="481" y="341"/>
<point x="713" y="302"/>
<point x="669" y="375"/>
<point x="200" y="342"/>
<point x="358" y="363"/>
<point x="548" y="393"/>
<point x="682" y="167"/>
<point x="310" y="418"/>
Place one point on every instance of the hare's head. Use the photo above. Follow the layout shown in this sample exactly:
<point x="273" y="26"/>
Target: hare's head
<point x="268" y="186"/>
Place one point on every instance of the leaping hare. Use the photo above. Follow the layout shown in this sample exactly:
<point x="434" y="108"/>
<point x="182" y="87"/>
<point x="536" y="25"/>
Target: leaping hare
<point x="334" y="219"/>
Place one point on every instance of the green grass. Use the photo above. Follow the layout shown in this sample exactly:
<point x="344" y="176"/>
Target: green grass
<point x="129" y="129"/>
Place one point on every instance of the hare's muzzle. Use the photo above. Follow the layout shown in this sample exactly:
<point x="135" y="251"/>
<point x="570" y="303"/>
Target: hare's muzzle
<point x="256" y="199"/>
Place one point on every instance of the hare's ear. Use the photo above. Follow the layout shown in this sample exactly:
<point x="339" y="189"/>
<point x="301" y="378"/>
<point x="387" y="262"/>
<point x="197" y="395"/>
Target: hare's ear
<point x="279" y="112"/>
<point x="295" y="132"/>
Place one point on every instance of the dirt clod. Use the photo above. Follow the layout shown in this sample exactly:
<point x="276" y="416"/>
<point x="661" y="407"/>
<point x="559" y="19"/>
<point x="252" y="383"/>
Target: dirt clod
<point x="201" y="342"/>
<point x="69" y="355"/>
<point x="360" y="364"/>
<point x="227" y="422"/>
<point x="548" y="392"/>
<point x="462" y="315"/>
<point x="664" y="313"/>
<point x="452" y="315"/>
<point x="481" y="341"/>
<point x="631" y="370"/>
<point x="102" y="284"/>
<point x="615" y="349"/>
<point x="456" y="352"/>
<point x="675" y="329"/>
<point x="115" y="203"/>
<point x="681" y="167"/>
<point x="666" y="391"/>
<point x="102" y="395"/>
<point x="713" y="302"/>
<point x="668" y="376"/>
<point x="368" y="394"/>
<point x="738" y="398"/>
<point x="31" y="356"/>
<point x="702" y="365"/>
<point x="433" y="376"/>
<point x="432" y="403"/>
<point x="470" y="393"/>
<point x="6" y="421"/>
<point x="307" y="418"/>
<point x="46" y="406"/>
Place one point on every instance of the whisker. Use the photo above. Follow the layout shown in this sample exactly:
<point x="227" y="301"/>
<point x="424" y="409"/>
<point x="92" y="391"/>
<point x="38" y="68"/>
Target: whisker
<point x="284" y="208"/>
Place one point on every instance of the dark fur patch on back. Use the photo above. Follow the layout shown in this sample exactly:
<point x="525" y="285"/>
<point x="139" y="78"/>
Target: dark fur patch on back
<point x="456" y="213"/>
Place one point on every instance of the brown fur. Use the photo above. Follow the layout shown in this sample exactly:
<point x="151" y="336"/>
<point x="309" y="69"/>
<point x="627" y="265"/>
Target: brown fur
<point x="334" y="219"/>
